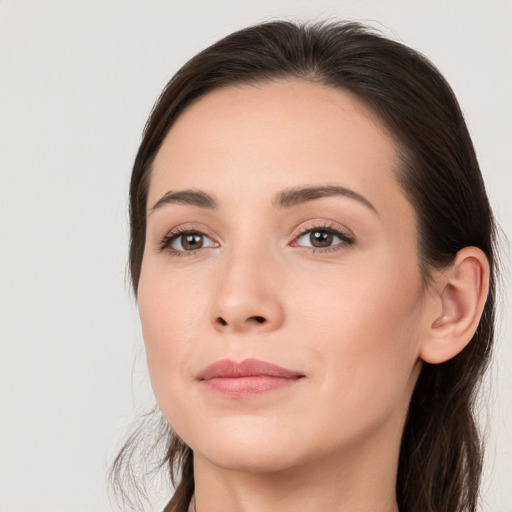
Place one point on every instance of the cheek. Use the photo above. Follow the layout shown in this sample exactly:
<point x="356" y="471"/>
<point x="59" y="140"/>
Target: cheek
<point x="367" y="331"/>
<point x="169" y="318"/>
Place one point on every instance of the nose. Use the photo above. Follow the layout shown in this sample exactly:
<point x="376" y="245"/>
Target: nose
<point x="247" y="296"/>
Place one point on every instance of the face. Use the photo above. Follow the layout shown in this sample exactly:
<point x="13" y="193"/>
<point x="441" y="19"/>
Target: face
<point x="280" y="293"/>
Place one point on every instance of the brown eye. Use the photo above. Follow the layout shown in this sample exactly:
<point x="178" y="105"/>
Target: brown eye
<point x="186" y="242"/>
<point x="191" y="241"/>
<point x="321" y="238"/>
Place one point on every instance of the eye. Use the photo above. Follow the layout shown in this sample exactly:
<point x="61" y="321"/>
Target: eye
<point x="323" y="238"/>
<point x="186" y="241"/>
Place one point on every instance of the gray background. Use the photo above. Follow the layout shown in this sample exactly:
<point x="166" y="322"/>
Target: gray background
<point x="77" y="81"/>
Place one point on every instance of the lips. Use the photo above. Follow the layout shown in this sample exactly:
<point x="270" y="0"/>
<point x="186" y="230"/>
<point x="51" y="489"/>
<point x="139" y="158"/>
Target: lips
<point x="248" y="377"/>
<point x="247" y="368"/>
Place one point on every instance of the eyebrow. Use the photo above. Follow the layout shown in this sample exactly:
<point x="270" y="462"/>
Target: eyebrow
<point x="285" y="199"/>
<point x="295" y="196"/>
<point x="189" y="197"/>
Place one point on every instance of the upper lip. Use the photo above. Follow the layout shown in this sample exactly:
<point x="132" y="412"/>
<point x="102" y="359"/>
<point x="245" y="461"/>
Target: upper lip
<point x="247" y="368"/>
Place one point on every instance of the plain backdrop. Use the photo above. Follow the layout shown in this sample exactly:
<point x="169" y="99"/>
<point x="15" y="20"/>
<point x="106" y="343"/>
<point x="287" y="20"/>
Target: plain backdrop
<point x="77" y="81"/>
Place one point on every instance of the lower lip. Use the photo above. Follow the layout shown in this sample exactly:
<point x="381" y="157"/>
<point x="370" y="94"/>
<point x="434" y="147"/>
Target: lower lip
<point x="242" y="387"/>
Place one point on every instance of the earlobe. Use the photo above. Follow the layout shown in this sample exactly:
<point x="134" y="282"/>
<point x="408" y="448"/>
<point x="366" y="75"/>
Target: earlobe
<point x="461" y="291"/>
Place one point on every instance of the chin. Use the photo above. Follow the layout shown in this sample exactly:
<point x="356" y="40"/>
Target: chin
<point x="247" y="449"/>
<point x="250" y="459"/>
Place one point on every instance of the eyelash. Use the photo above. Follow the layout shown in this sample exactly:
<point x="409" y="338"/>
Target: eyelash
<point x="346" y="239"/>
<point x="168" y="239"/>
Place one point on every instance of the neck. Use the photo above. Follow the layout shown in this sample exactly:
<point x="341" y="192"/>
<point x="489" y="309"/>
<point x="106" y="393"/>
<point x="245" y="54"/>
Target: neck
<point x="355" y="483"/>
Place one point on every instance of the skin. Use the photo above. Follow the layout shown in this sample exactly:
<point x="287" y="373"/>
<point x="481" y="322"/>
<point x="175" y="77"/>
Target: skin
<point x="352" y="318"/>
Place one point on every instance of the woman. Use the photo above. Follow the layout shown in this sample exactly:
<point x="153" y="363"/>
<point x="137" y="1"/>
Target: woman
<point x="312" y="250"/>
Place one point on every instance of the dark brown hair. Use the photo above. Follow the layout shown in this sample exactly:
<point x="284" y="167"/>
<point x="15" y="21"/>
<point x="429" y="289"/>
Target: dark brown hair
<point x="441" y="453"/>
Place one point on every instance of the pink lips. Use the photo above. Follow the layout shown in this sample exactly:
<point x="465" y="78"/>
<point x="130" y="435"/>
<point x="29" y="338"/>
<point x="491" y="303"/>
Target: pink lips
<point x="249" y="377"/>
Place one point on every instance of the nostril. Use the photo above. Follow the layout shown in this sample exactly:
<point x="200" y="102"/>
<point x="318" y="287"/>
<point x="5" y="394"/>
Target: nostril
<point x="257" y="319"/>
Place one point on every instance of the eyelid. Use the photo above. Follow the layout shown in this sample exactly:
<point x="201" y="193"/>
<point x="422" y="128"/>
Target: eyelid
<point x="346" y="236"/>
<point x="323" y="225"/>
<point x="164" y="242"/>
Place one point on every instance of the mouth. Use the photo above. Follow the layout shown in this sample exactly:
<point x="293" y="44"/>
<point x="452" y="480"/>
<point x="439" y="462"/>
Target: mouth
<point x="233" y="379"/>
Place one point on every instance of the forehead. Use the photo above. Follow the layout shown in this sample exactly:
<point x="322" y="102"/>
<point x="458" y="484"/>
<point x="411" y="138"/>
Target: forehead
<point x="277" y="135"/>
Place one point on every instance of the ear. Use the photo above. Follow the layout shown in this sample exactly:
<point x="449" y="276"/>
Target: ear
<point x="459" y="295"/>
